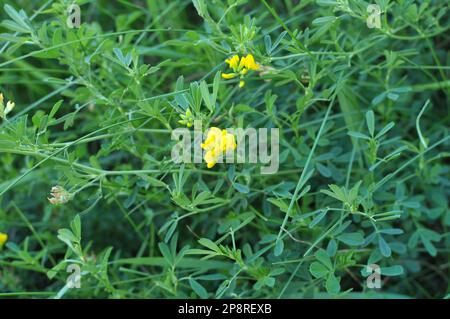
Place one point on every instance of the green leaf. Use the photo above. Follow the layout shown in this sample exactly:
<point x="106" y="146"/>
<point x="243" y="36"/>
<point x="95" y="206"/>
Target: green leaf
<point x="201" y="198"/>
<point x="65" y="234"/>
<point x="385" y="129"/>
<point x="200" y="6"/>
<point x="216" y="86"/>
<point x="429" y="247"/>
<point x="318" y="270"/>
<point x="327" y="2"/>
<point x="392" y="271"/>
<point x="124" y="60"/>
<point x="351" y="239"/>
<point x="241" y="188"/>
<point x="206" y="96"/>
<point x="323" y="170"/>
<point x="199" y="289"/>
<point x="384" y="247"/>
<point x="279" y="247"/>
<point x="323" y="257"/>
<point x="336" y="193"/>
<point x="54" y="271"/>
<point x="391" y="231"/>
<point x="18" y="18"/>
<point x="269" y="281"/>
<point x="55" y="109"/>
<point x="324" y="20"/>
<point x="171" y="230"/>
<point x="153" y="181"/>
<point x="332" y="285"/>
<point x="379" y="98"/>
<point x="332" y="248"/>
<point x="209" y="244"/>
<point x="358" y="135"/>
<point x="281" y="204"/>
<point x="279" y="39"/>
<point x="165" y="251"/>
<point x="317" y="219"/>
<point x="11" y="25"/>
<point x="76" y="227"/>
<point x="370" y="120"/>
<point x="353" y="195"/>
<point x="268" y="44"/>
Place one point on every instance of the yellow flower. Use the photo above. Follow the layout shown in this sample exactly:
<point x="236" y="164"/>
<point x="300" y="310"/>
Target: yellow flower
<point x="240" y="67"/>
<point x="233" y="62"/>
<point x="3" y="239"/>
<point x="249" y="63"/>
<point x="217" y="143"/>
<point x="229" y="75"/>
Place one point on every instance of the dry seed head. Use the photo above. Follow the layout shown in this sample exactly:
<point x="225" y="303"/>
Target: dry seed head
<point x="58" y="195"/>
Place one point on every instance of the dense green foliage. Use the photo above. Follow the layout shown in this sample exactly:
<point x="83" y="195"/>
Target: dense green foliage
<point x="364" y="176"/>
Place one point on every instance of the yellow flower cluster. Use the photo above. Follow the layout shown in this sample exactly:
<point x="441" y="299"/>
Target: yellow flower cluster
<point x="217" y="143"/>
<point x="240" y="67"/>
<point x="9" y="107"/>
<point x="3" y="239"/>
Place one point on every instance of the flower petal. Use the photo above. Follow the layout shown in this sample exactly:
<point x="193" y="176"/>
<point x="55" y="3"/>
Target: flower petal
<point x="233" y="61"/>
<point x="229" y="75"/>
<point x="250" y="62"/>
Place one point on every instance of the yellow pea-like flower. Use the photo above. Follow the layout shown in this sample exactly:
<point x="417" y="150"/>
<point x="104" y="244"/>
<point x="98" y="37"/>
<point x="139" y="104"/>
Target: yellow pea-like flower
<point x="217" y="143"/>
<point x="210" y="159"/>
<point x="233" y="62"/>
<point x="228" y="76"/>
<point x="240" y="66"/>
<point x="250" y="63"/>
<point x="242" y="63"/>
<point x="3" y="239"/>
